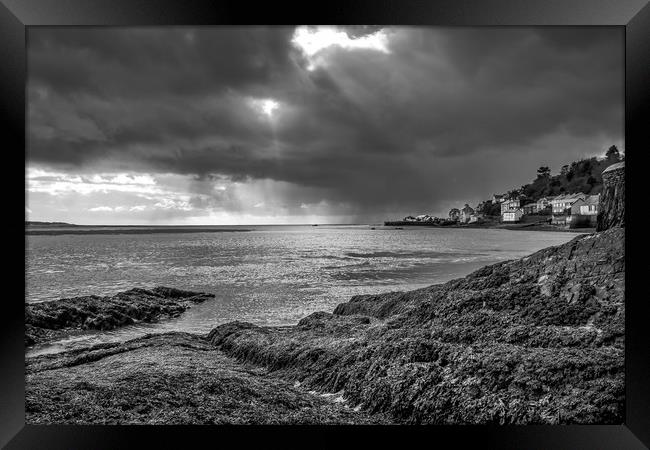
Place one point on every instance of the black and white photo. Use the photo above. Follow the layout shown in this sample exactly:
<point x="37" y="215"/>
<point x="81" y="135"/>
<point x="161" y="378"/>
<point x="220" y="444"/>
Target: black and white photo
<point x="325" y="225"/>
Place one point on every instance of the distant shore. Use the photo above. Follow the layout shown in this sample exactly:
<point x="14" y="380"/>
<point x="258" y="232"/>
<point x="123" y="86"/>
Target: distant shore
<point x="125" y="230"/>
<point x="495" y="226"/>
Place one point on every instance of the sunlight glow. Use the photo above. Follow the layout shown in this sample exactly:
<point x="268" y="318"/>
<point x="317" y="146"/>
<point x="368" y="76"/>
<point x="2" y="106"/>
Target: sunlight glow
<point x="312" y="40"/>
<point x="266" y="106"/>
<point x="269" y="106"/>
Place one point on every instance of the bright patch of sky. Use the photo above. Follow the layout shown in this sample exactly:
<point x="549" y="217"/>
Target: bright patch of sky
<point x="313" y="40"/>
<point x="123" y="198"/>
<point x="266" y="106"/>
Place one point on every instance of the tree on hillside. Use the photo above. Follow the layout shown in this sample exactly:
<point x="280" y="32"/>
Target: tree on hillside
<point x="564" y="171"/>
<point x="489" y="208"/>
<point x="612" y="156"/>
<point x="513" y="194"/>
<point x="583" y="176"/>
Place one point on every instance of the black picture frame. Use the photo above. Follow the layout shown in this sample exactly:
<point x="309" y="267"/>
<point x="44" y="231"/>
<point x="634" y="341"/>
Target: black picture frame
<point x="633" y="15"/>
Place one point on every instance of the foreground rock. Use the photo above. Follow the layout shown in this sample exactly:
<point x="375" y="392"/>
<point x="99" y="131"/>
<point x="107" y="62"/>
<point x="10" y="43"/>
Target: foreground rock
<point x="536" y="340"/>
<point x="49" y="320"/>
<point x="173" y="378"/>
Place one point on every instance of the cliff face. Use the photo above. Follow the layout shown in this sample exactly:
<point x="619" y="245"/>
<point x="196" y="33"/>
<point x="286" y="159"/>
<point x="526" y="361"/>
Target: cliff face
<point x="612" y="199"/>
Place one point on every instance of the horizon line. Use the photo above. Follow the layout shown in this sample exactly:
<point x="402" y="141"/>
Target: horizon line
<point x="197" y="225"/>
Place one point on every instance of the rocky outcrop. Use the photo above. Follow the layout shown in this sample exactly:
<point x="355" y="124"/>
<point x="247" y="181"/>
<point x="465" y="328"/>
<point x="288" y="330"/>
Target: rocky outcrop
<point x="538" y="340"/>
<point x="53" y="319"/>
<point x="611" y="208"/>
<point x="173" y="378"/>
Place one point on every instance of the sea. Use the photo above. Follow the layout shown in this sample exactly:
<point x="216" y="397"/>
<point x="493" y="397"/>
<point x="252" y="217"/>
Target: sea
<point x="266" y="275"/>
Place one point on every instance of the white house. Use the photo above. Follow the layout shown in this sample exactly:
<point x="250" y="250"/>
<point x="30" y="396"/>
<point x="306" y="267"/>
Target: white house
<point x="564" y="202"/>
<point x="584" y="212"/>
<point x="543" y="202"/>
<point x="510" y="205"/>
<point x="587" y="206"/>
<point x="513" y="215"/>
<point x="530" y="208"/>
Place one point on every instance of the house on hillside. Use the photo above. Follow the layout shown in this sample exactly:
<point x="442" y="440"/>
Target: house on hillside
<point x="587" y="206"/>
<point x="510" y="205"/>
<point x="543" y="203"/>
<point x="530" y="208"/>
<point x="513" y="215"/>
<point x="496" y="198"/>
<point x="561" y="208"/>
<point x="466" y="213"/>
<point x="563" y="202"/>
<point x="584" y="212"/>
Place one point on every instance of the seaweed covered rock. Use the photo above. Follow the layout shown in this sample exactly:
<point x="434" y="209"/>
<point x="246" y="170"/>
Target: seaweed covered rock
<point x="173" y="378"/>
<point x="48" y="320"/>
<point x="539" y="340"/>
<point x="535" y="340"/>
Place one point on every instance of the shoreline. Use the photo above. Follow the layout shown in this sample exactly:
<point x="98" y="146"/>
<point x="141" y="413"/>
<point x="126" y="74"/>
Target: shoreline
<point x="510" y="227"/>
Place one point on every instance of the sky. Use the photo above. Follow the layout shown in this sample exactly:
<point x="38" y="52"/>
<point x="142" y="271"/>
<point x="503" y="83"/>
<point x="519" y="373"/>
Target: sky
<point x="280" y="125"/>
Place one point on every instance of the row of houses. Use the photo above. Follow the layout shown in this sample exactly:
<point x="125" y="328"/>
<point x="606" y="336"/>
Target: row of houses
<point x="573" y="210"/>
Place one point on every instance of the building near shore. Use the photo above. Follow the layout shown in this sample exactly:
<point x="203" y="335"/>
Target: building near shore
<point x="586" y="207"/>
<point x="559" y="219"/>
<point x="510" y="205"/>
<point x="530" y="208"/>
<point x="562" y="203"/>
<point x="561" y="208"/>
<point x="543" y="203"/>
<point x="584" y="213"/>
<point x="513" y="215"/>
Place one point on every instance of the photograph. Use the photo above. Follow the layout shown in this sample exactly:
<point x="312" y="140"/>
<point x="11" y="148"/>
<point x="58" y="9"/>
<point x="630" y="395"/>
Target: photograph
<point x="325" y="225"/>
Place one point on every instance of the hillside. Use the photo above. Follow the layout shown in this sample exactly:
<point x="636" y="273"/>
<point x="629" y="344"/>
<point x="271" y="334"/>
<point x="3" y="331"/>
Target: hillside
<point x="580" y="176"/>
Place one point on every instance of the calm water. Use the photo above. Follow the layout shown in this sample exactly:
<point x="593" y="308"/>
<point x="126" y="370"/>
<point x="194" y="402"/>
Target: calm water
<point x="272" y="275"/>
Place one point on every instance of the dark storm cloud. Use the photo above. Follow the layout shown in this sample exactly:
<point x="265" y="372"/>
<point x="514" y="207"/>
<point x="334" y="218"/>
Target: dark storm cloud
<point x="143" y="62"/>
<point x="368" y="128"/>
